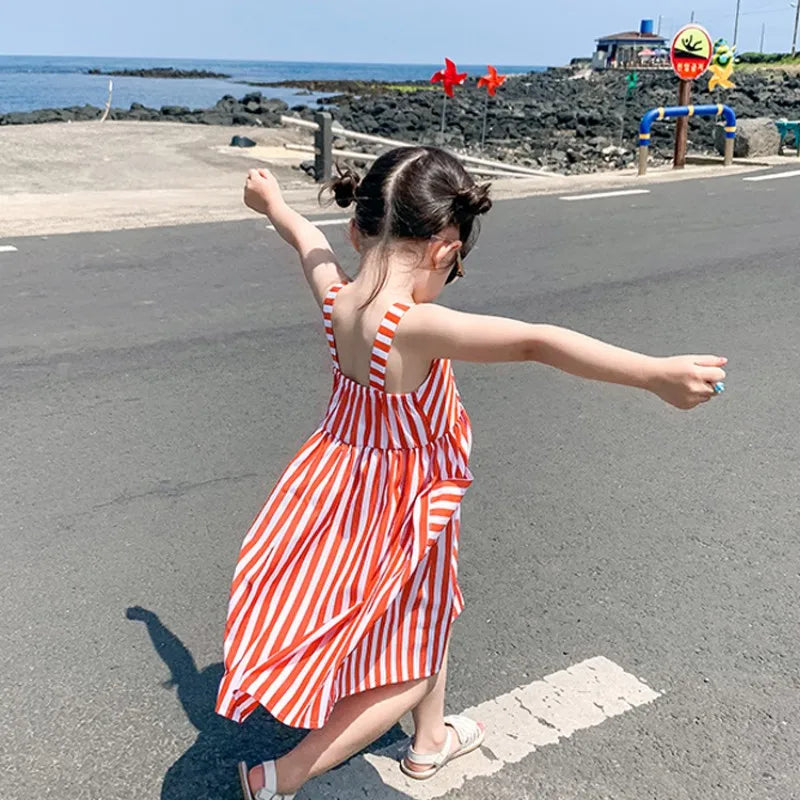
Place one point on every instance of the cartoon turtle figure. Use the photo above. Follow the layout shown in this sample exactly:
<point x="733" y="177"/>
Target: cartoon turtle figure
<point x="722" y="63"/>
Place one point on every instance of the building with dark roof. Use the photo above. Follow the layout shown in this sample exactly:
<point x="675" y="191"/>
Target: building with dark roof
<point x="640" y="49"/>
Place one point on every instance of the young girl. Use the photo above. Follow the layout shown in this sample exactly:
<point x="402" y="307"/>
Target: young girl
<point x="346" y="585"/>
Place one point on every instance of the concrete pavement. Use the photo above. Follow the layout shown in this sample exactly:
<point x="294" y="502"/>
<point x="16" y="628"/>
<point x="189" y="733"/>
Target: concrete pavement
<point x="88" y="176"/>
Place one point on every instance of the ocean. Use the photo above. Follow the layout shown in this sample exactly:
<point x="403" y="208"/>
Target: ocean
<point x="28" y="83"/>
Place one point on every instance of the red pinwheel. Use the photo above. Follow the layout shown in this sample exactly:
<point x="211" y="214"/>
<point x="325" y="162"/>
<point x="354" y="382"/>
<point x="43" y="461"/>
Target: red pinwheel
<point x="492" y="80"/>
<point x="449" y="77"/>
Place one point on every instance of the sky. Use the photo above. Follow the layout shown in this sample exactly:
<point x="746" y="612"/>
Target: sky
<point x="522" y="32"/>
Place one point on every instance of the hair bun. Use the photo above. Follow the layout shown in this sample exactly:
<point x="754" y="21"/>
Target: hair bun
<point x="344" y="187"/>
<point x="471" y="202"/>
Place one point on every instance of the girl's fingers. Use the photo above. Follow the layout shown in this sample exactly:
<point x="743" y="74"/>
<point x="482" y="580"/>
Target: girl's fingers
<point x="710" y="361"/>
<point x="713" y="374"/>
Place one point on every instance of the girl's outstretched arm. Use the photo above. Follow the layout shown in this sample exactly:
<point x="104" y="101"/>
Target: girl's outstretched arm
<point x="682" y="381"/>
<point x="322" y="270"/>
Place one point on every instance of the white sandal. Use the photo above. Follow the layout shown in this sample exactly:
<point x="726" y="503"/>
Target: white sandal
<point x="269" y="790"/>
<point x="469" y="735"/>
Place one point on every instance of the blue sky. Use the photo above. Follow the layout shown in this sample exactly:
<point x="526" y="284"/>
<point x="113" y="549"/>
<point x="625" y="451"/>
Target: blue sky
<point x="404" y="31"/>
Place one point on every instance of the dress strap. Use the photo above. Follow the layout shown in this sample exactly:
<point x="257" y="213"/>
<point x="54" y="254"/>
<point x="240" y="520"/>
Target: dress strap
<point x="327" y="316"/>
<point x="383" y="344"/>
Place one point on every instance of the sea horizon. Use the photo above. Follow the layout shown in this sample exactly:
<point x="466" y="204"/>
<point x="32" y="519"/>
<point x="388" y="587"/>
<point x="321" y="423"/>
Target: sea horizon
<point x="239" y="60"/>
<point x="34" y="82"/>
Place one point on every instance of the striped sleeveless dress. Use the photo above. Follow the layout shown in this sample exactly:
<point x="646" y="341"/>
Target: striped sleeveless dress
<point x="347" y="578"/>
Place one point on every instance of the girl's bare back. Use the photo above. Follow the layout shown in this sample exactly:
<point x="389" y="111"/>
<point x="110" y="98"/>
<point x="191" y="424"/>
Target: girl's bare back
<point x="355" y="328"/>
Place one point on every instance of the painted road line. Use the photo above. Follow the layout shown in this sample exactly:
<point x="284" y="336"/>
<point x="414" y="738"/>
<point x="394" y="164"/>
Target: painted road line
<point x="774" y="176"/>
<point x="7" y="248"/>
<point x="321" y="223"/>
<point x="518" y="723"/>
<point x="600" y="195"/>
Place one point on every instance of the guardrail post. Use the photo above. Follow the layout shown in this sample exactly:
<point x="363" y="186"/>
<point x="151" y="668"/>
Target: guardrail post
<point x="728" y="152"/>
<point x="644" y="136"/>
<point x="643" y="153"/>
<point x="323" y="146"/>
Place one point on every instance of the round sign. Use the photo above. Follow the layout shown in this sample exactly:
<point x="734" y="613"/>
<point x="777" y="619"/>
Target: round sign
<point x="691" y="52"/>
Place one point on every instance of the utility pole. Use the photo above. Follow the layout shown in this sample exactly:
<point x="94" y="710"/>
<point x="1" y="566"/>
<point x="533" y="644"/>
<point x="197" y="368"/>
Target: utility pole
<point x="659" y="24"/>
<point x="692" y="19"/>
<point x="763" y="31"/>
<point x="796" y="25"/>
<point x="736" y="24"/>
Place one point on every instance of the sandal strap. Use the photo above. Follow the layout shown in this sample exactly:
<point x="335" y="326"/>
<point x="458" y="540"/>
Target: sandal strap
<point x="467" y="730"/>
<point x="431" y="759"/>
<point x="269" y="791"/>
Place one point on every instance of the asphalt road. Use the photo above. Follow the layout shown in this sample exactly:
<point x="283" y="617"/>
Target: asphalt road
<point x="155" y="382"/>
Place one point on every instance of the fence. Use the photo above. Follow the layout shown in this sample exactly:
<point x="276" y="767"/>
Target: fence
<point x="324" y="151"/>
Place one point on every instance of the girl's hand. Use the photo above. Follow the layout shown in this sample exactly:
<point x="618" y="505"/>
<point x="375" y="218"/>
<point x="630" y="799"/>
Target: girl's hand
<point x="261" y="191"/>
<point x="686" y="381"/>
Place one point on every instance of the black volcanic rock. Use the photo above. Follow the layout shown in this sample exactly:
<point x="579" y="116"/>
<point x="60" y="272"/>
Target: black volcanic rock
<point x="160" y="72"/>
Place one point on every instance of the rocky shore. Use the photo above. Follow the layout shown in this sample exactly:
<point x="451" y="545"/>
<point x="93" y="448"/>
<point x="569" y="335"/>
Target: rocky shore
<point x="252" y="109"/>
<point x="563" y="120"/>
<point x="161" y="72"/>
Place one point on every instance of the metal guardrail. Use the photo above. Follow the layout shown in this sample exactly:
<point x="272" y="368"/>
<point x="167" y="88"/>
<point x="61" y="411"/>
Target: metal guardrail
<point x="674" y="112"/>
<point x="324" y="152"/>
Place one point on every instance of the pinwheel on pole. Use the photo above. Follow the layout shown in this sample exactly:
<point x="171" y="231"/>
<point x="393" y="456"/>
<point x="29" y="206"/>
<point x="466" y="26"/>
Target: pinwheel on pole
<point x="491" y="81"/>
<point x="448" y="77"/>
<point x="633" y="81"/>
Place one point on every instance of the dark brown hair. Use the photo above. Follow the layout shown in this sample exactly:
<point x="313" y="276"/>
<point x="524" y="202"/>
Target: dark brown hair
<point x="413" y="193"/>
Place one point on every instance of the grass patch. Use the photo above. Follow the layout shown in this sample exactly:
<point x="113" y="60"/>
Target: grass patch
<point x="409" y="88"/>
<point x="755" y="62"/>
<point x="789" y="66"/>
<point x="768" y="58"/>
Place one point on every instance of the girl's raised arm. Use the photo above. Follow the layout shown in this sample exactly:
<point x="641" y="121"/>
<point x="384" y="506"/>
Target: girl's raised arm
<point x="322" y="270"/>
<point x="682" y="381"/>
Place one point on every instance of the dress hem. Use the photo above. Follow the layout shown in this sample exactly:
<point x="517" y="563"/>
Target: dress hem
<point x="284" y="718"/>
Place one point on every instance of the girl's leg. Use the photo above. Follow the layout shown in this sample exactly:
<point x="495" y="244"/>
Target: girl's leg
<point x="355" y="722"/>
<point x="430" y="731"/>
<point x="429" y="728"/>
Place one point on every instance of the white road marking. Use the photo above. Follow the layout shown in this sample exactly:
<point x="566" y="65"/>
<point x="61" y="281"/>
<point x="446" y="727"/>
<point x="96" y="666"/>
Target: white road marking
<point x="600" y="195"/>
<point x="774" y="176"/>
<point x="7" y="248"/>
<point x="518" y="723"/>
<point x="321" y="223"/>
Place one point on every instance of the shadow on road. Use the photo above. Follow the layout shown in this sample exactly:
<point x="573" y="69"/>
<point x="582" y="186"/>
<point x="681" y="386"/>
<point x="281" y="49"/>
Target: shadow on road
<point x="207" y="770"/>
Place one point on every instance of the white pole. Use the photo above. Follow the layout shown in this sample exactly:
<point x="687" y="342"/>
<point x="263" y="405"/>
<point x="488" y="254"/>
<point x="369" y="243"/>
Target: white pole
<point x="108" y="102"/>
<point x="796" y="25"/>
<point x="736" y="24"/>
<point x="485" y="116"/>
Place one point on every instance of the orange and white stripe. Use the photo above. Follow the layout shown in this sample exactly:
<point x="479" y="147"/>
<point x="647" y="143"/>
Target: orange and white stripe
<point x="347" y="579"/>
